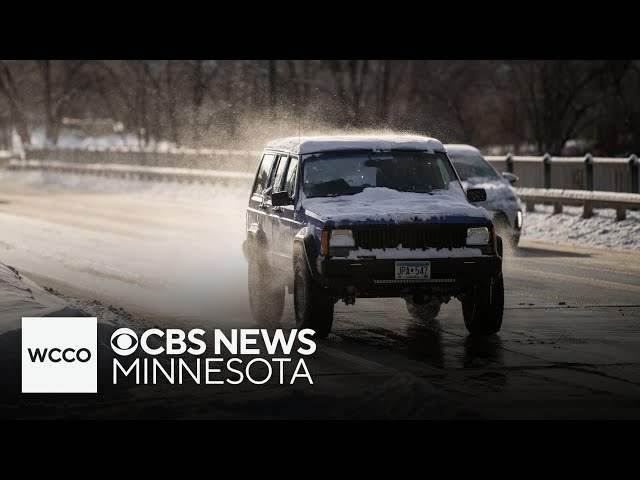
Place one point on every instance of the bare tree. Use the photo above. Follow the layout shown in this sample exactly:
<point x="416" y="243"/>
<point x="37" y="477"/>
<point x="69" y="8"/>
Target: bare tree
<point x="9" y="89"/>
<point x="58" y="93"/>
<point x="557" y="98"/>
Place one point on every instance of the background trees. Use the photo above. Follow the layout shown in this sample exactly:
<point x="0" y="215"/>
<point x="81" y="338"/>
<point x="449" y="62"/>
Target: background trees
<point x="555" y="106"/>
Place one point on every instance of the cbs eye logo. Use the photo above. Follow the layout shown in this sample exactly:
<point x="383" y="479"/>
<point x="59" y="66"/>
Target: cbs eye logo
<point x="124" y="341"/>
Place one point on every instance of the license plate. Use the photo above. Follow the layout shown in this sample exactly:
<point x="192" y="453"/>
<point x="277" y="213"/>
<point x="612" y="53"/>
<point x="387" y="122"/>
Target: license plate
<point x="413" y="270"/>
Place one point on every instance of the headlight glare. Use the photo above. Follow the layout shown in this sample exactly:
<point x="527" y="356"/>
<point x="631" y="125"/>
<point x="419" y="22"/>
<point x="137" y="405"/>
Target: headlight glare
<point x="519" y="219"/>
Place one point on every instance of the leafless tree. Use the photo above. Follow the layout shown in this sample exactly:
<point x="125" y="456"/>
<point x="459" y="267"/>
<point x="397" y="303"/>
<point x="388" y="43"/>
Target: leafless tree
<point x="9" y="89"/>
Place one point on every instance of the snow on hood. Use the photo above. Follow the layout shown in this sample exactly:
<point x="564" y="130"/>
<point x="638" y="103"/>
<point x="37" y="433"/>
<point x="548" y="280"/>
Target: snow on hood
<point x="379" y="204"/>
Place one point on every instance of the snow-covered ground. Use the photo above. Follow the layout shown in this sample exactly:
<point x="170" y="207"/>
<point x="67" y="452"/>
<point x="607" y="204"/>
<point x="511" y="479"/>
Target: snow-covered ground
<point x="601" y="230"/>
<point x="100" y="184"/>
<point x="68" y="139"/>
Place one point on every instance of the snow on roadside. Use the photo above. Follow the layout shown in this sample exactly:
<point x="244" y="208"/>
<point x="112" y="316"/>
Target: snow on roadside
<point x="568" y="227"/>
<point x="102" y="184"/>
<point x="69" y="139"/>
<point x="21" y="297"/>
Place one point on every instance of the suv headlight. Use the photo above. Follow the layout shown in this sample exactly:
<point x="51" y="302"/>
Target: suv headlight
<point x="341" y="238"/>
<point x="519" y="219"/>
<point x="478" y="236"/>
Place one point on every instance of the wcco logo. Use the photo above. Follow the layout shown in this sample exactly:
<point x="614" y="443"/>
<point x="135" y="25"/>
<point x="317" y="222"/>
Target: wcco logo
<point x="59" y="355"/>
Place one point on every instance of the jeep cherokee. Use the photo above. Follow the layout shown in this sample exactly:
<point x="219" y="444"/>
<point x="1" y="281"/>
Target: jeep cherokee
<point x="342" y="217"/>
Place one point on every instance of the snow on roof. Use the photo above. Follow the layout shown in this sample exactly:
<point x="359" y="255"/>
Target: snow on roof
<point x="461" y="149"/>
<point x="304" y="145"/>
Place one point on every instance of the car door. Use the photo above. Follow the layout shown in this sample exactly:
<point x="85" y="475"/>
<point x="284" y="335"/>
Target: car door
<point x="258" y="221"/>
<point x="285" y="224"/>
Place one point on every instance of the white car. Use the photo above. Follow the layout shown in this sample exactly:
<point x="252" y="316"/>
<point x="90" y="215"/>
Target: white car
<point x="502" y="201"/>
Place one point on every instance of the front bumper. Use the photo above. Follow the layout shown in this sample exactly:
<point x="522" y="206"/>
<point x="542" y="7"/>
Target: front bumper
<point x="376" y="278"/>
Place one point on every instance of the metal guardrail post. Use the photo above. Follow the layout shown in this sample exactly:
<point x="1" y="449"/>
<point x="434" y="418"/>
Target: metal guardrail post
<point x="509" y="161"/>
<point x="633" y="174"/>
<point x="531" y="206"/>
<point x="546" y="165"/>
<point x="588" y="172"/>
<point x="621" y="213"/>
<point x="557" y="207"/>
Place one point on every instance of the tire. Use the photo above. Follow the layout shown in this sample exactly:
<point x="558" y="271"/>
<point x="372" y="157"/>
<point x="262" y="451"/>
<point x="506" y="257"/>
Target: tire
<point x="313" y="305"/>
<point x="266" y="300"/>
<point x="425" y="312"/>
<point x="483" y="310"/>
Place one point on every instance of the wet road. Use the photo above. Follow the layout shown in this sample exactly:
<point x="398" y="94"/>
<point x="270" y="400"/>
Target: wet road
<point x="569" y="346"/>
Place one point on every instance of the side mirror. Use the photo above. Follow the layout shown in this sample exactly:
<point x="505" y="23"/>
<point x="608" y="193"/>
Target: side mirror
<point x="279" y="199"/>
<point x="475" y="195"/>
<point x="510" y="177"/>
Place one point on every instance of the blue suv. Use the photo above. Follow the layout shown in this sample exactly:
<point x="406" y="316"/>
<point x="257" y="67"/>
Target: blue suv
<point x="342" y="217"/>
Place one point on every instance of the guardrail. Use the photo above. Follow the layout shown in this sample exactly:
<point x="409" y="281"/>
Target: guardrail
<point x="620" y="201"/>
<point x="136" y="171"/>
<point x="573" y="173"/>
<point x="215" y="159"/>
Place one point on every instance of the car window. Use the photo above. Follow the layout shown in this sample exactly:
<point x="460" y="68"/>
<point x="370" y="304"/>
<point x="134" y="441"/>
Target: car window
<point x="282" y="164"/>
<point x="347" y="173"/>
<point x="473" y="166"/>
<point x="290" y="183"/>
<point x="263" y="173"/>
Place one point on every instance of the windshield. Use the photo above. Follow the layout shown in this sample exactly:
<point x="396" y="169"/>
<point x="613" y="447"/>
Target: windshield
<point x="348" y="173"/>
<point x="473" y="166"/>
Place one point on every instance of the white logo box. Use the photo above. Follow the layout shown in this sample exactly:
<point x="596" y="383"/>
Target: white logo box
<point x="66" y="367"/>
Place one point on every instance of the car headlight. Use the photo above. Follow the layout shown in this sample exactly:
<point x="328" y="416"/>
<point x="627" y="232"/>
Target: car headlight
<point x="341" y="238"/>
<point x="519" y="219"/>
<point x="478" y="236"/>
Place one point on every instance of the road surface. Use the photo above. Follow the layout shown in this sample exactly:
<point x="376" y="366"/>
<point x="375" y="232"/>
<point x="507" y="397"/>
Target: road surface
<point x="569" y="346"/>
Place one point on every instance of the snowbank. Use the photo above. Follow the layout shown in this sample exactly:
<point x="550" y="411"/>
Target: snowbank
<point x="20" y="297"/>
<point x="601" y="230"/>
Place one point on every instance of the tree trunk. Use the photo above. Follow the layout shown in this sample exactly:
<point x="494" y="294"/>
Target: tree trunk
<point x="45" y="69"/>
<point x="171" y="104"/>
<point x="8" y="89"/>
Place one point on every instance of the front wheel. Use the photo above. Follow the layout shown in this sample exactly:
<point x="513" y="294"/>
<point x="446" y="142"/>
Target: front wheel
<point x="427" y="311"/>
<point x="483" y="309"/>
<point x="313" y="304"/>
<point x="266" y="299"/>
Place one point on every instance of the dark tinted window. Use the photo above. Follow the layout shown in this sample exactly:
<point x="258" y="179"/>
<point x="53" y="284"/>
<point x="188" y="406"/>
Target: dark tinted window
<point x="473" y="166"/>
<point x="282" y="164"/>
<point x="289" y="184"/>
<point x="263" y="173"/>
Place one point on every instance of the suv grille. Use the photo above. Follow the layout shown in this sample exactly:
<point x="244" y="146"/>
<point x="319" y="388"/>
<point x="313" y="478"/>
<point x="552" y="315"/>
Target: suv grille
<point x="411" y="236"/>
